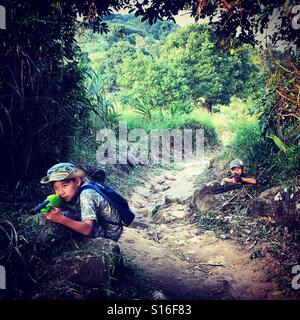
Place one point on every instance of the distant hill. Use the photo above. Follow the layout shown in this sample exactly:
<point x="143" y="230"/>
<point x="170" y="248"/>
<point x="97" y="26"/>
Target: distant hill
<point x="130" y="25"/>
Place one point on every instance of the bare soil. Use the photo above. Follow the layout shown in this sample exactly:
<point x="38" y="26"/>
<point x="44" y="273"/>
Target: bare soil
<point x="185" y="262"/>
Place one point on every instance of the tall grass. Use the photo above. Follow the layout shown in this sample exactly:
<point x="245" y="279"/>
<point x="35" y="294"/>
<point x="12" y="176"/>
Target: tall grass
<point x="160" y="120"/>
<point x="227" y="118"/>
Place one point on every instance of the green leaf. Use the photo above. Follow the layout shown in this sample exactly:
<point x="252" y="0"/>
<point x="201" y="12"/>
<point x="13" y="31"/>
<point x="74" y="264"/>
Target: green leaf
<point x="279" y="143"/>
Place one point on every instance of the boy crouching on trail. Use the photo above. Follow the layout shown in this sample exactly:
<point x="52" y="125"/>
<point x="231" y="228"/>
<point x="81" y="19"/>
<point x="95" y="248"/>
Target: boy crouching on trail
<point x="86" y="211"/>
<point x="238" y="174"/>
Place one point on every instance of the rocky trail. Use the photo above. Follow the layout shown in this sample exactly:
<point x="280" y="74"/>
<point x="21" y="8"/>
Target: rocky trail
<point x="184" y="262"/>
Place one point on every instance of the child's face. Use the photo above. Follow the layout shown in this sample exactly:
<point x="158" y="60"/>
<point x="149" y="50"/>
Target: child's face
<point x="67" y="189"/>
<point x="236" y="170"/>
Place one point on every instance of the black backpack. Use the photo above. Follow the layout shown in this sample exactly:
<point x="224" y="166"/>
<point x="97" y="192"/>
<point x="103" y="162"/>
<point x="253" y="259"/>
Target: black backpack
<point x="116" y="200"/>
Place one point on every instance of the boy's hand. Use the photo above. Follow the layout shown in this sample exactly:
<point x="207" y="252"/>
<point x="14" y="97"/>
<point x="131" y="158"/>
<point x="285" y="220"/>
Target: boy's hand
<point x="55" y="215"/>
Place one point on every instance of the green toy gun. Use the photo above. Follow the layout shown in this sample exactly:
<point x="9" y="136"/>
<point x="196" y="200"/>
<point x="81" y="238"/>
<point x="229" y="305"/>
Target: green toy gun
<point x="53" y="200"/>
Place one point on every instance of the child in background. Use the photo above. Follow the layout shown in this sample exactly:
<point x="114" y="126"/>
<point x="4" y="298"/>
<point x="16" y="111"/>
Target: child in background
<point x="237" y="169"/>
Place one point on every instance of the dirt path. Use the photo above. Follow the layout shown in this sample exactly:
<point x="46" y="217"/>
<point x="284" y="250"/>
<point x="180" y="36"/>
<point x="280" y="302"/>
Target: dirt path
<point x="185" y="263"/>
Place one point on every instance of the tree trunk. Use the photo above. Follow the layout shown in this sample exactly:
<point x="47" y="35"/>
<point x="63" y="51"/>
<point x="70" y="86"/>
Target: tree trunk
<point x="209" y="106"/>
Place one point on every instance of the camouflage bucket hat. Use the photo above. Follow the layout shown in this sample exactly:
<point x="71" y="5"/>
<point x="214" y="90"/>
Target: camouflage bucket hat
<point x="236" y="163"/>
<point x="62" y="171"/>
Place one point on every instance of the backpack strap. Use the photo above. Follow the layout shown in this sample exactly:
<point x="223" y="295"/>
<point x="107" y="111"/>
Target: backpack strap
<point x="91" y="186"/>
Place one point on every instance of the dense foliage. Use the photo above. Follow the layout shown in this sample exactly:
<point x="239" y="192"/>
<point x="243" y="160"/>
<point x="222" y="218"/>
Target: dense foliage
<point x="42" y="100"/>
<point x="177" y="72"/>
<point x="235" y="22"/>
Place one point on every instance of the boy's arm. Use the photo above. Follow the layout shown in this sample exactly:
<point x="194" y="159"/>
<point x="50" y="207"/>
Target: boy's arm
<point x="228" y="180"/>
<point x="84" y="227"/>
<point x="249" y="180"/>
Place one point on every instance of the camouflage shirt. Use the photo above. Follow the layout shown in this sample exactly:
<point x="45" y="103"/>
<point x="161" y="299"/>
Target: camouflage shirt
<point x="90" y="205"/>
